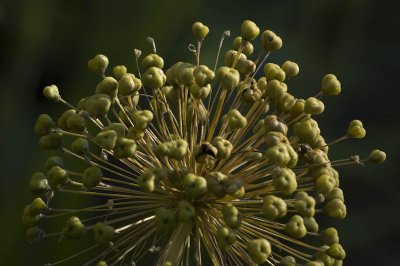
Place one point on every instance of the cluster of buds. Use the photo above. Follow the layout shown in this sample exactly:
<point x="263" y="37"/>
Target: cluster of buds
<point x="215" y="165"/>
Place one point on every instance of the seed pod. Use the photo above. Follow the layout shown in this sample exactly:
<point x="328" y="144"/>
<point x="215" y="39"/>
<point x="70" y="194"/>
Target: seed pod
<point x="200" y="31"/>
<point x="98" y="64"/>
<point x="223" y="146"/>
<point x="194" y="185"/>
<point x="336" y="251"/>
<point x="275" y="90"/>
<point x="124" y="148"/>
<point x="228" y="77"/>
<point x="129" y="85"/>
<point x="325" y="183"/>
<point x="153" y="60"/>
<point x="44" y="125"/>
<point x="217" y="183"/>
<point x="336" y="209"/>
<point x="249" y="30"/>
<point x="186" y="211"/>
<point x="108" y="86"/>
<point x="119" y="71"/>
<point x="330" y="236"/>
<point x="117" y="127"/>
<point x="147" y="181"/>
<point x="103" y="233"/>
<point x="225" y="237"/>
<point x="51" y="92"/>
<point x="142" y="119"/>
<point x="287" y="261"/>
<point x="305" y="204"/>
<point x="235" y="119"/>
<point x="271" y="123"/>
<point x="38" y="184"/>
<point x="259" y="250"/>
<point x="154" y="77"/>
<point x="91" y="177"/>
<point x="57" y="177"/>
<point x="295" y="227"/>
<point x="331" y="85"/>
<point x="284" y="180"/>
<point x="247" y="47"/>
<point x="356" y="130"/>
<point x="245" y="66"/>
<point x="53" y="161"/>
<point x="205" y="153"/>
<point x="76" y="123"/>
<point x="307" y="131"/>
<point x="291" y="69"/>
<point x="273" y="71"/>
<point x="80" y="146"/>
<point x="231" y="216"/>
<point x="107" y="139"/>
<point x="199" y="92"/>
<point x="74" y="228"/>
<point x="231" y="56"/>
<point x="313" y="106"/>
<point x="377" y="156"/>
<point x="274" y="207"/>
<point x="270" y="41"/>
<point x="311" y="224"/>
<point x="97" y="105"/>
<point x="165" y="219"/>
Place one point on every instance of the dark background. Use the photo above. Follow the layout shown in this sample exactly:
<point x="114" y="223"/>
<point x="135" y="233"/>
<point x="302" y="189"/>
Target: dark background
<point x="46" y="42"/>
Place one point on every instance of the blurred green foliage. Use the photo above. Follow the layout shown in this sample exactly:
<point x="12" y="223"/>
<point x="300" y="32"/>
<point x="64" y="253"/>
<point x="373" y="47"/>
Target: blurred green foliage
<point x="46" y="42"/>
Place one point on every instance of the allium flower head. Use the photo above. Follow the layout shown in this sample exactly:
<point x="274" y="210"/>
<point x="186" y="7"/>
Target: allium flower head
<point x="194" y="164"/>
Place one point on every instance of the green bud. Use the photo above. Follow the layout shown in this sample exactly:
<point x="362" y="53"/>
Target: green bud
<point x="313" y="106"/>
<point x="165" y="219"/>
<point x="30" y="219"/>
<point x="284" y="180"/>
<point x="235" y="119"/>
<point x="129" y="85"/>
<point x="311" y="224"/>
<point x="142" y="119"/>
<point x="154" y="78"/>
<point x="74" y="228"/>
<point x="325" y="183"/>
<point x="336" y="251"/>
<point x="356" y="130"/>
<point x="297" y="107"/>
<point x="245" y="66"/>
<point x="228" y="77"/>
<point x="274" y="207"/>
<point x="273" y="71"/>
<point x="282" y="155"/>
<point x="80" y="146"/>
<point x="305" y="204"/>
<point x="321" y="255"/>
<point x="223" y="146"/>
<point x="135" y="133"/>
<point x="331" y="85"/>
<point x="259" y="250"/>
<point x="249" y="30"/>
<point x="194" y="185"/>
<point x="98" y="64"/>
<point x="235" y="188"/>
<point x="253" y="156"/>
<point x="295" y="227"/>
<point x="108" y="86"/>
<point x="62" y="121"/>
<point x="270" y="41"/>
<point x="232" y="55"/>
<point x="37" y="206"/>
<point x="35" y="235"/>
<point x="57" y="177"/>
<point x="199" y="92"/>
<point x="119" y="128"/>
<point x="171" y="93"/>
<point x="119" y="71"/>
<point x="52" y="142"/>
<point x="184" y="74"/>
<point x="102" y="263"/>
<point x="76" y="123"/>
<point x="200" y="31"/>
<point x="38" y="184"/>
<point x="124" y="148"/>
<point x="97" y="105"/>
<point x="251" y="93"/>
<point x="225" y="237"/>
<point x="186" y="211"/>
<point x="377" y="156"/>
<point x="336" y="209"/>
<point x="91" y="177"/>
<point x="153" y="60"/>
<point x="291" y="69"/>
<point x="335" y="193"/>
<point x="231" y="216"/>
<point x="247" y="47"/>
<point x="271" y="123"/>
<point x="330" y="236"/>
<point x="53" y="161"/>
<point x="103" y="233"/>
<point x="51" y="93"/>
<point x="147" y="181"/>
<point x="44" y="125"/>
<point x="275" y="89"/>
<point x="287" y="261"/>
<point x="307" y="131"/>
<point x="216" y="183"/>
<point x="314" y="263"/>
<point x="107" y="139"/>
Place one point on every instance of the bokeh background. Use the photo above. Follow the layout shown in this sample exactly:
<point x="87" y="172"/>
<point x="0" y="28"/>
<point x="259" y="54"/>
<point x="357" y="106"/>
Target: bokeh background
<point x="49" y="42"/>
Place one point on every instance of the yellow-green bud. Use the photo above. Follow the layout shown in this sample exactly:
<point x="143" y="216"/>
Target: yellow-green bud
<point x="80" y="146"/>
<point x="249" y="30"/>
<point x="200" y="31"/>
<point x="107" y="139"/>
<point x="231" y="215"/>
<point x="295" y="227"/>
<point x="313" y="106"/>
<point x="223" y="146"/>
<point x="119" y="71"/>
<point x="57" y="177"/>
<point x="194" y="185"/>
<point x="51" y="92"/>
<point x="108" y="86"/>
<point x="356" y="130"/>
<point x="142" y="119"/>
<point x="291" y="69"/>
<point x="225" y="237"/>
<point x="153" y="60"/>
<point x="38" y="184"/>
<point x="377" y="156"/>
<point x="92" y="176"/>
<point x="270" y="41"/>
<point x="228" y="77"/>
<point x="259" y="250"/>
<point x="154" y="78"/>
<point x="74" y="228"/>
<point x="305" y="204"/>
<point x="235" y="119"/>
<point x="247" y="47"/>
<point x="124" y="148"/>
<point x="336" y="209"/>
<point x="98" y="64"/>
<point x="331" y="85"/>
<point x="203" y="75"/>
<point x="274" y="207"/>
<point x="103" y="233"/>
<point x="284" y="180"/>
<point x="273" y="71"/>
